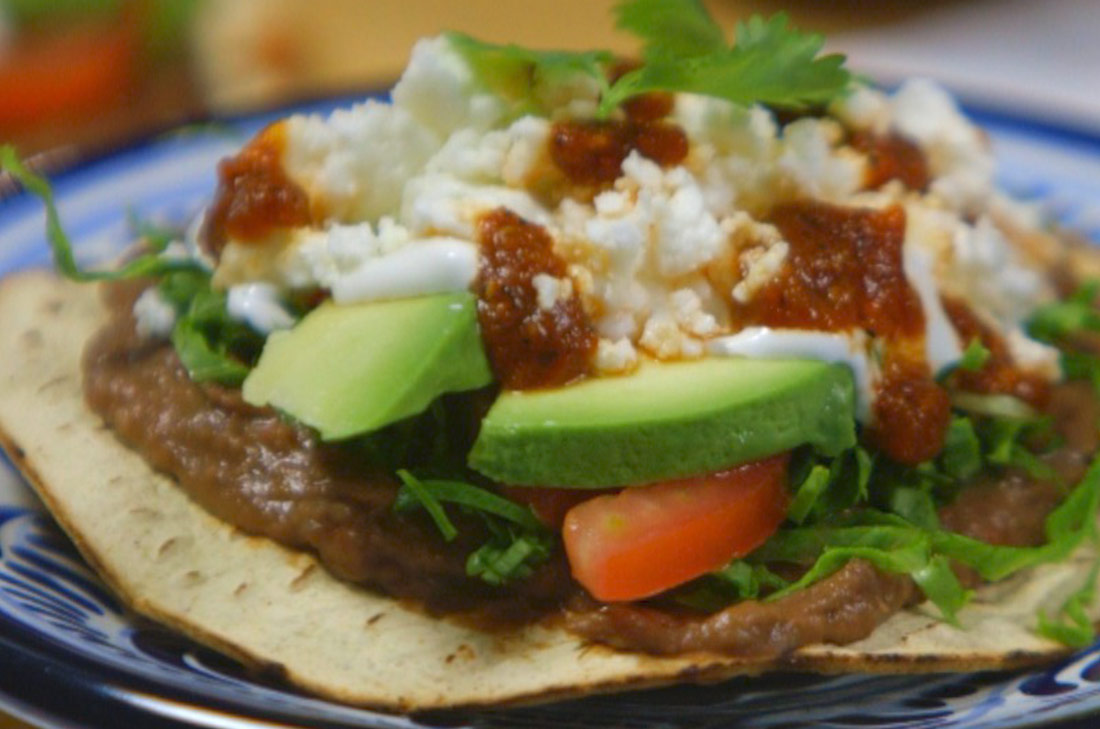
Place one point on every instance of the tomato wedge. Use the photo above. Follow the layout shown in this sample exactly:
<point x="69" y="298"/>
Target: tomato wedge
<point x="647" y="539"/>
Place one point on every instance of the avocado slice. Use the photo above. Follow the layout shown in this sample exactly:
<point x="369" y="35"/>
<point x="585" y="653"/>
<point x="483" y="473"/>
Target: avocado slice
<point x="352" y="369"/>
<point x="667" y="420"/>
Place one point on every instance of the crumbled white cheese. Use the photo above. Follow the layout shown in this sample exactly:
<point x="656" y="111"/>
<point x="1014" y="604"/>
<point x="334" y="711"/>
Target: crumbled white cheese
<point x="663" y="257"/>
<point x="1042" y="359"/>
<point x="615" y="357"/>
<point x="155" y="317"/>
<point x="687" y="309"/>
<point x="864" y="107"/>
<point x="258" y="305"/>
<point x="437" y="204"/>
<point x="759" y="265"/>
<point x="663" y="338"/>
<point x="997" y="280"/>
<point x="813" y="164"/>
<point x="959" y="157"/>
<point x="550" y="290"/>
<point x="439" y="89"/>
<point x="354" y="164"/>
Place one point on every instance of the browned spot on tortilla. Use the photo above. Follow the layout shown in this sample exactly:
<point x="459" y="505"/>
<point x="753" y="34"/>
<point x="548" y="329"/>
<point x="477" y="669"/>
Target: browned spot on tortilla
<point x="49" y="384"/>
<point x="374" y="619"/>
<point x="168" y="544"/>
<point x="299" y="582"/>
<point x="464" y="652"/>
<point x="240" y="589"/>
<point x="53" y="306"/>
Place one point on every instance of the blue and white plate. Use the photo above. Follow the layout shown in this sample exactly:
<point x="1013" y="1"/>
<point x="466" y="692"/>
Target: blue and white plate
<point x="70" y="655"/>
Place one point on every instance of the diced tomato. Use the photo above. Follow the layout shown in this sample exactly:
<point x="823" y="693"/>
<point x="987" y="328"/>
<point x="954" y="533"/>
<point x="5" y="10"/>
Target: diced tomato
<point x="647" y="539"/>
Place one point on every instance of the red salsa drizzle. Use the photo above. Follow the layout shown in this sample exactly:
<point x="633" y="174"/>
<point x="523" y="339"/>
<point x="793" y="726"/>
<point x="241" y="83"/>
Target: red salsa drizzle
<point x="254" y="195"/>
<point x="891" y="157"/>
<point x="999" y="375"/>
<point x="529" y="347"/>
<point x="911" y="410"/>
<point x="592" y="152"/>
<point x="844" y="271"/>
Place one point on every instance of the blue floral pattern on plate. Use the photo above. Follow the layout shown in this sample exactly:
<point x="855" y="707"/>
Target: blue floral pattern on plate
<point x="48" y="594"/>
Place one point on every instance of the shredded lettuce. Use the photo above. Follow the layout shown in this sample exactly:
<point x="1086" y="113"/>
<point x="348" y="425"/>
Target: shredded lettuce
<point x="975" y="356"/>
<point x="518" y="540"/>
<point x="894" y="543"/>
<point x="152" y="264"/>
<point x="961" y="457"/>
<point x="468" y="495"/>
<point x="212" y="345"/>
<point x="509" y="557"/>
<point x="739" y="580"/>
<point x="1072" y="625"/>
<point x="415" y="492"/>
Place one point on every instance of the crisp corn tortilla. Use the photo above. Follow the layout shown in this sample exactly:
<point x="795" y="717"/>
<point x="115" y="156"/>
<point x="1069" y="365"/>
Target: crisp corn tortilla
<point x="277" y="609"/>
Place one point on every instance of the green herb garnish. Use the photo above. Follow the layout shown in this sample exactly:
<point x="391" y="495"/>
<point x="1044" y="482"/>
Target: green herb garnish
<point x="770" y="63"/>
<point x="685" y="50"/>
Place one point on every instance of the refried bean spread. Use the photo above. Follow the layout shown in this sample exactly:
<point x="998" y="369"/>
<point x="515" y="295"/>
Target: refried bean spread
<point x="255" y="470"/>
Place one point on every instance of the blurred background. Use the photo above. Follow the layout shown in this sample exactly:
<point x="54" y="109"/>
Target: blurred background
<point x="93" y="73"/>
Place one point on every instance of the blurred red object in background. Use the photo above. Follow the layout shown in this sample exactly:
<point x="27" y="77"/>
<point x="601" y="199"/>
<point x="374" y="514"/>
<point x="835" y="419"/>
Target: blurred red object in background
<point x="69" y="71"/>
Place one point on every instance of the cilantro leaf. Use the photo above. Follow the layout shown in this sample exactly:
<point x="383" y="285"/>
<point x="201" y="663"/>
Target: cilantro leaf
<point x="671" y="28"/>
<point x="771" y="64"/>
<point x="516" y="74"/>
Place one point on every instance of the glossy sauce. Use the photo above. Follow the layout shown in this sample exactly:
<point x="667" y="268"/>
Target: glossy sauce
<point x="529" y="347"/>
<point x="891" y="157"/>
<point x="592" y="152"/>
<point x="845" y="271"/>
<point x="254" y="195"/>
